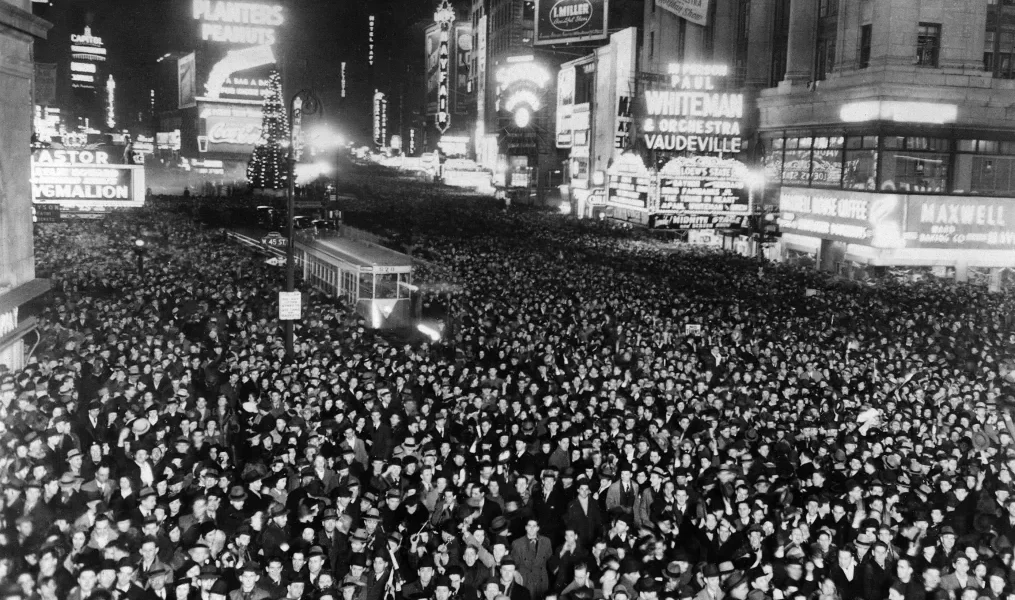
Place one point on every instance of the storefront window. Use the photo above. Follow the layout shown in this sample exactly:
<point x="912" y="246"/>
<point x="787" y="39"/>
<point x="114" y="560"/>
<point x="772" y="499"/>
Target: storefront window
<point x="860" y="172"/>
<point x="915" y="164"/>
<point x="827" y="168"/>
<point x="773" y="159"/>
<point x="985" y="167"/>
<point x="796" y="170"/>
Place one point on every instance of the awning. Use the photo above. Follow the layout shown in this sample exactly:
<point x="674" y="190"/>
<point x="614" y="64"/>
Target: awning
<point x="23" y="294"/>
<point x="24" y="328"/>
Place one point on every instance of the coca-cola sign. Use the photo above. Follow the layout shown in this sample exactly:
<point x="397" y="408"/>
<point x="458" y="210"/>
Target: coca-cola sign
<point x="231" y="133"/>
<point x="230" y="128"/>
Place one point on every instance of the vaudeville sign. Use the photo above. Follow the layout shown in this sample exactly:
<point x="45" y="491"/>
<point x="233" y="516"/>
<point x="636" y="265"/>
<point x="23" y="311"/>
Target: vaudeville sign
<point x="563" y="21"/>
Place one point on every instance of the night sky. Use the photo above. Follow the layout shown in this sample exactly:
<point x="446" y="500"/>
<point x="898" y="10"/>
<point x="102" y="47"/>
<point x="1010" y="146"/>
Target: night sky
<point x="317" y="37"/>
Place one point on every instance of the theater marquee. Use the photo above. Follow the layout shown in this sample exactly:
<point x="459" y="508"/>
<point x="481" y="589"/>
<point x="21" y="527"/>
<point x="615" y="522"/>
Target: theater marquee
<point x="85" y="178"/>
<point x="696" y="114"/>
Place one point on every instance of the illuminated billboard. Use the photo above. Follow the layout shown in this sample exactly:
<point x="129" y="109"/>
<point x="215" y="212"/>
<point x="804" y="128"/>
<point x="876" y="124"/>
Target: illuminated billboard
<point x="695" y="114"/>
<point x="229" y="127"/>
<point x="241" y="74"/>
<point x="85" y="178"/>
<point x="380" y="118"/>
<point x="565" y="21"/>
<point x="444" y="17"/>
<point x="238" y="23"/>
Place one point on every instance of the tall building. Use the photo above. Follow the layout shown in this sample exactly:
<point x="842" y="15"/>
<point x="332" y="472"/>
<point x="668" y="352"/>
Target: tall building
<point x="886" y="133"/>
<point x="18" y="284"/>
<point x="878" y="130"/>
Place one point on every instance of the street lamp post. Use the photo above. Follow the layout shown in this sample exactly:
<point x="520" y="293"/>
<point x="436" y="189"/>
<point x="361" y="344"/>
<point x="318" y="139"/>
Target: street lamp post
<point x="755" y="180"/>
<point x="139" y="250"/>
<point x="304" y="102"/>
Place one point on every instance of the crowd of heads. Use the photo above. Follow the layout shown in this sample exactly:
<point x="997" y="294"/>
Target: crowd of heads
<point x="606" y="417"/>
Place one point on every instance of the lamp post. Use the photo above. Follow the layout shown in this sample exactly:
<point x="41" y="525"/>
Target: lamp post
<point x="304" y="102"/>
<point x="139" y="250"/>
<point x="755" y="180"/>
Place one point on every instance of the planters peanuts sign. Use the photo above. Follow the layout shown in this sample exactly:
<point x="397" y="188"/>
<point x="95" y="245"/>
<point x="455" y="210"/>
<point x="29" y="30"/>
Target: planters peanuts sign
<point x="564" y="21"/>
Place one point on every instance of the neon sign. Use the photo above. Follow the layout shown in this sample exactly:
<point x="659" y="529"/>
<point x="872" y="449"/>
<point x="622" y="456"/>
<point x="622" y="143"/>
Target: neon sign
<point x="695" y="115"/>
<point x="444" y="17"/>
<point x="243" y="23"/>
<point x="522" y="97"/>
<point x="380" y="118"/>
<point x="521" y="72"/>
<point x="370" y="39"/>
<point x="110" y="102"/>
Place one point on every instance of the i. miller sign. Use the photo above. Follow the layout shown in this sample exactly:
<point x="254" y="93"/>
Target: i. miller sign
<point x="564" y="21"/>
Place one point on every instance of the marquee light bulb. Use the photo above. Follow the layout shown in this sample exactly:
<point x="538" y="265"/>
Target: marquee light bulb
<point x="523" y="117"/>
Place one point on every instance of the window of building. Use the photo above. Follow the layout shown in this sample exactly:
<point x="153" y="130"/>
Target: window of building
<point x="866" y="31"/>
<point x="826" y="162"/>
<point x="928" y="44"/>
<point x="773" y="148"/>
<point x="528" y="10"/>
<point x="796" y="166"/>
<point x="984" y="168"/>
<point x="860" y="163"/>
<point x="780" y="42"/>
<point x="743" y="19"/>
<point x="652" y="42"/>
<point x="825" y="59"/>
<point x="915" y="164"/>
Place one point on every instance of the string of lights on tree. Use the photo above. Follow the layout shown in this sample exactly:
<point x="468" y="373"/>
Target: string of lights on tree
<point x="267" y="168"/>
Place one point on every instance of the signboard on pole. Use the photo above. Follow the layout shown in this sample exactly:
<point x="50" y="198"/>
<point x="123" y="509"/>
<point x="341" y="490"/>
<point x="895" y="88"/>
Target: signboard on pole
<point x="565" y="21"/>
<point x="297" y="130"/>
<point x="275" y="240"/>
<point x="290" y="305"/>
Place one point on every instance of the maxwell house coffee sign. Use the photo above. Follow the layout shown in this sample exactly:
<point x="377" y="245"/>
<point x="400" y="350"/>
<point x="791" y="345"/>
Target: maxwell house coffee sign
<point x="564" y="21"/>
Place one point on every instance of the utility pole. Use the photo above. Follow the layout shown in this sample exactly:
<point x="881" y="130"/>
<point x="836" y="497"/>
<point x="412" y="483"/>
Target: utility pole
<point x="304" y="102"/>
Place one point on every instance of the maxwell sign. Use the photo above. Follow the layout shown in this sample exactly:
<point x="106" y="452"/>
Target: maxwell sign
<point x="564" y="21"/>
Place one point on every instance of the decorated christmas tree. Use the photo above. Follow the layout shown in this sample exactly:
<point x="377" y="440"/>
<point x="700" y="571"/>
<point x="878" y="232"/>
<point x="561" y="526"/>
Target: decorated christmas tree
<point x="267" y="168"/>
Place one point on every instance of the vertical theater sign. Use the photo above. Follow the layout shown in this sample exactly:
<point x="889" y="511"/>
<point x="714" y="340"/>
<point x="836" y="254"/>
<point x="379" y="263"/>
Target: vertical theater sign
<point x="444" y="17"/>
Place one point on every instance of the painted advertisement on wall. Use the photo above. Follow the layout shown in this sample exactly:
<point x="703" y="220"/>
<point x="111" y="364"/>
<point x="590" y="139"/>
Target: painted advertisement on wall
<point x="565" y="21"/>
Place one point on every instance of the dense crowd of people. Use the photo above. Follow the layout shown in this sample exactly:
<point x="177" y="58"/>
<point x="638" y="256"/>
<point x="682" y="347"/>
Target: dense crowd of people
<point x="608" y="418"/>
